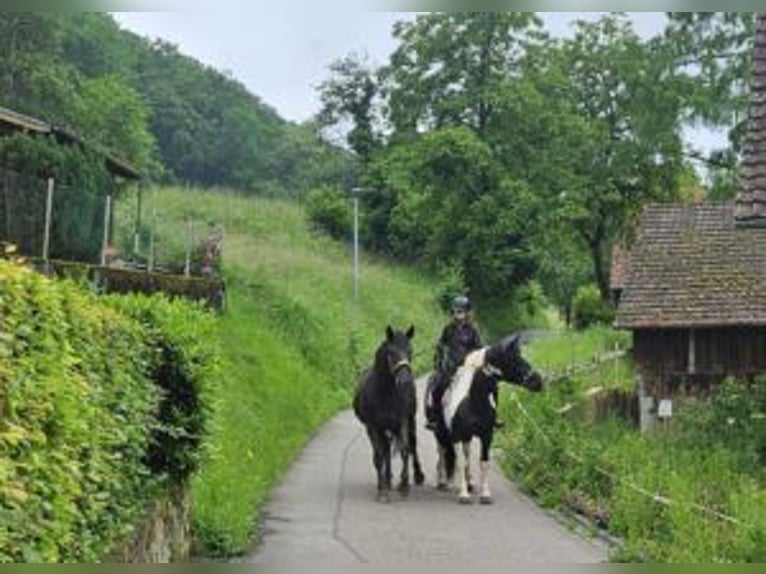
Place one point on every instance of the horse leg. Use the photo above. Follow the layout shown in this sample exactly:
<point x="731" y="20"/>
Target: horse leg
<point x="441" y="469"/>
<point x="376" y="440"/>
<point x="404" y="450"/>
<point x="464" y="496"/>
<point x="387" y="443"/>
<point x="467" y="453"/>
<point x="485" y="496"/>
<point x="420" y="478"/>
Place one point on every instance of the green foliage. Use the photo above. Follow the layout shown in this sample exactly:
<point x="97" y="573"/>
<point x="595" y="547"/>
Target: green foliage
<point x="184" y="354"/>
<point x="75" y="406"/>
<point x="440" y="199"/>
<point x="350" y="94"/>
<point x="450" y="284"/>
<point x="610" y="472"/>
<point x="589" y="308"/>
<point x="113" y="114"/>
<point x="99" y="413"/>
<point x="330" y="209"/>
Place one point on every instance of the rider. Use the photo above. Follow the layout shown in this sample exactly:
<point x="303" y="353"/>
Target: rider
<point x="459" y="337"/>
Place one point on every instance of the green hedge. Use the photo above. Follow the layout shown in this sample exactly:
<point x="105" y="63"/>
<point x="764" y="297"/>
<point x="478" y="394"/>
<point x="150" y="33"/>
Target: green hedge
<point x="184" y="364"/>
<point x="82" y="424"/>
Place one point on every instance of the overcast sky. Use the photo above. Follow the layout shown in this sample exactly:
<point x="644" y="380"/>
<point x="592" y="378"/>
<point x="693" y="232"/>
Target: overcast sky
<point x="282" y="55"/>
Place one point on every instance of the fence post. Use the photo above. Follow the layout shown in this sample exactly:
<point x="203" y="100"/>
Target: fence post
<point x="107" y="219"/>
<point x="151" y="240"/>
<point x="137" y="234"/>
<point x="189" y="239"/>
<point x="48" y="217"/>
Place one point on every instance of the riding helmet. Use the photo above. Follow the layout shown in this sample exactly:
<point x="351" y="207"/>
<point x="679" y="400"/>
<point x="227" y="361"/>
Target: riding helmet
<point x="461" y="303"/>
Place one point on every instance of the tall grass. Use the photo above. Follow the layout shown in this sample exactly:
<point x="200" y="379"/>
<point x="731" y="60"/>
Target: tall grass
<point x="293" y="338"/>
<point x="710" y="457"/>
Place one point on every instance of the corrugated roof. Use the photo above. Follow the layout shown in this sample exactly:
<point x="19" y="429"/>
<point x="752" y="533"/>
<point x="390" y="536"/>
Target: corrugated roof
<point x="691" y="265"/>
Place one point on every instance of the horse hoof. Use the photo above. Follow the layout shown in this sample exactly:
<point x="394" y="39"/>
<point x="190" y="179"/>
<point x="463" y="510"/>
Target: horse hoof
<point x="404" y="489"/>
<point x="464" y="500"/>
<point x="486" y="500"/>
<point x="471" y="488"/>
<point x="443" y="486"/>
<point x="420" y="478"/>
<point x="384" y="497"/>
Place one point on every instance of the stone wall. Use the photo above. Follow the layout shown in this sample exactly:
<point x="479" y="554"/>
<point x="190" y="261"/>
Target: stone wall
<point x="164" y="536"/>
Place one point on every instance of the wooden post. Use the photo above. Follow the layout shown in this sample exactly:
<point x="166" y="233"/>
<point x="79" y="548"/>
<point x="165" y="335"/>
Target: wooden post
<point x="189" y="239"/>
<point x="151" y="240"/>
<point x="692" y="352"/>
<point x="107" y="219"/>
<point x="48" y="218"/>
<point x="137" y="236"/>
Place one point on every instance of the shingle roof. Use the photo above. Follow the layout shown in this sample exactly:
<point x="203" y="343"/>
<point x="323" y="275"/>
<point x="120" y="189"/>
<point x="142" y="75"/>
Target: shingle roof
<point x="691" y="265"/>
<point x="751" y="200"/>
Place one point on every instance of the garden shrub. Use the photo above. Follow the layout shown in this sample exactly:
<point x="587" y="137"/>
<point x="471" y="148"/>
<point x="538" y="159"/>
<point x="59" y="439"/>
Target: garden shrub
<point x="330" y="210"/>
<point x="75" y="404"/>
<point x="590" y="309"/>
<point x="99" y="413"/>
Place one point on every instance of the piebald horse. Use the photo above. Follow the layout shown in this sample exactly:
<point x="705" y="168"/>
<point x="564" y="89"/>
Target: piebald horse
<point x="470" y="411"/>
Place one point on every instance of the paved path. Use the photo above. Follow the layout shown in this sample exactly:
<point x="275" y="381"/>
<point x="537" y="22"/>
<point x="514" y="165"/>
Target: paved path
<point x="325" y="512"/>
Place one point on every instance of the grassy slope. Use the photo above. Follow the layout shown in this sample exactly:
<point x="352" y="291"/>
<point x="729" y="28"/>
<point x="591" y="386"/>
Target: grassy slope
<point x="292" y="339"/>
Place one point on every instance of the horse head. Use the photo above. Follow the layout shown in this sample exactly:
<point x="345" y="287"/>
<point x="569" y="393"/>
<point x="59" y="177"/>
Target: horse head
<point x="395" y="355"/>
<point x="506" y="359"/>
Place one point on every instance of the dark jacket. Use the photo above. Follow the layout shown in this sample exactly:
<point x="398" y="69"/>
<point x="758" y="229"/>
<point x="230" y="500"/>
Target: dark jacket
<point x="456" y="342"/>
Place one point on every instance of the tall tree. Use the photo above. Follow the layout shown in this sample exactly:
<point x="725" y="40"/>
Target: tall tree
<point x="447" y="67"/>
<point x="712" y="51"/>
<point x="631" y="150"/>
<point x="350" y="96"/>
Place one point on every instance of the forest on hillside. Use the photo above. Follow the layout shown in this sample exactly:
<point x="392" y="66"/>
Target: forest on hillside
<point x="508" y="161"/>
<point x="168" y="114"/>
<point x="505" y="157"/>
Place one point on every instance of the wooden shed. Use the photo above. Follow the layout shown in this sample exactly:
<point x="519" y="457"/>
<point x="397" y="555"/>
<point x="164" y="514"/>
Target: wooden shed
<point x="693" y="286"/>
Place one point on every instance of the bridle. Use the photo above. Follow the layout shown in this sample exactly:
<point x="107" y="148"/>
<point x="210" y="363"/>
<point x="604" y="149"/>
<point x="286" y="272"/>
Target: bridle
<point x="399" y="366"/>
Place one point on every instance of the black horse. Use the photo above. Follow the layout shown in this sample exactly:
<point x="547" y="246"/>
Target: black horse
<point x="470" y="411"/>
<point x="386" y="403"/>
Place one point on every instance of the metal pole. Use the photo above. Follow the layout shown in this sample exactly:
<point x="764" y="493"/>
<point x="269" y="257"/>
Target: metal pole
<point x="107" y="219"/>
<point x="356" y="247"/>
<point x="48" y="217"/>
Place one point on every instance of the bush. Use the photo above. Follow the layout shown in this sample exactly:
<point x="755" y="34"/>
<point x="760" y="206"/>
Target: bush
<point x="330" y="210"/>
<point x="75" y="406"/>
<point x="590" y="309"/>
<point x="451" y="283"/>
<point x="184" y="364"/>
<point x="99" y="413"/>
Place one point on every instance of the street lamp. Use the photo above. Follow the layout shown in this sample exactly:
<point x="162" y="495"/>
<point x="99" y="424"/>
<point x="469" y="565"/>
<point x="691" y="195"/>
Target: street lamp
<point x="356" y="193"/>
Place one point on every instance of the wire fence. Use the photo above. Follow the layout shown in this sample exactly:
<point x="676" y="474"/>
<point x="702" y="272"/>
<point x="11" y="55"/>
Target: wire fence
<point x="656" y="497"/>
<point x="51" y="221"/>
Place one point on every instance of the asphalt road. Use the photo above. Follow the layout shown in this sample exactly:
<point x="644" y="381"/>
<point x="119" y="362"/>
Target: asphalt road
<point x="325" y="512"/>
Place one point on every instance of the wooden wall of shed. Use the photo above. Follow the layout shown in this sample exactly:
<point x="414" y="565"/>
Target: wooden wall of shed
<point x="662" y="356"/>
